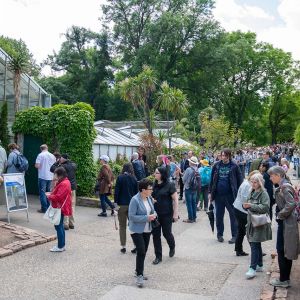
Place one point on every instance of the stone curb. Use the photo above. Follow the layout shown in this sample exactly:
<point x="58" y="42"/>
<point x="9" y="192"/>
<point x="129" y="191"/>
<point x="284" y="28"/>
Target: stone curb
<point x="269" y="292"/>
<point x="27" y="238"/>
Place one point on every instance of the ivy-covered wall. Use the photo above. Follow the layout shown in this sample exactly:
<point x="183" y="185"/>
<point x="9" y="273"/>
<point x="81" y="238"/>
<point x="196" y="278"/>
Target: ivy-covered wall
<point x="67" y="129"/>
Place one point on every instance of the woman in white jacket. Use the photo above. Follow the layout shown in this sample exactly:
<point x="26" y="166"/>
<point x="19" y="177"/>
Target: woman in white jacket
<point x="241" y="214"/>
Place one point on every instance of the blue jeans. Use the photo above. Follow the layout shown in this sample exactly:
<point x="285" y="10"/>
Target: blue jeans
<point x="44" y="186"/>
<point x="256" y="255"/>
<point x="191" y="203"/>
<point x="222" y="202"/>
<point x="104" y="199"/>
<point x="60" y="230"/>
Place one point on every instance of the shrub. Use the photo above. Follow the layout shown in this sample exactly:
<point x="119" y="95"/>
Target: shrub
<point x="68" y="129"/>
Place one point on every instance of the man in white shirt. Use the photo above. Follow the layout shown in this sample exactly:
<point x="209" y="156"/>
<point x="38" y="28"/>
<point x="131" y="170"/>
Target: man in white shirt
<point x="43" y="163"/>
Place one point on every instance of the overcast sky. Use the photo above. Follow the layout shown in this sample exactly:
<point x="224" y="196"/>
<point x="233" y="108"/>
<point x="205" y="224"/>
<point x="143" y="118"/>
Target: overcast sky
<point x="40" y="23"/>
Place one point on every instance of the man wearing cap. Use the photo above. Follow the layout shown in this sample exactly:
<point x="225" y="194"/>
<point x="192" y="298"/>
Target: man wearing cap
<point x="105" y="179"/>
<point x="43" y="163"/>
<point x="225" y="181"/>
<point x="70" y="167"/>
<point x="190" y="194"/>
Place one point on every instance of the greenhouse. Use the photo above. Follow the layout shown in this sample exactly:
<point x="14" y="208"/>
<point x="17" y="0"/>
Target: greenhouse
<point x="31" y="93"/>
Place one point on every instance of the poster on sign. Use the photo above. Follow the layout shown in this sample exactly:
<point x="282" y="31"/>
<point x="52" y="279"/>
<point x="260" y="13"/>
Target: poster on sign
<point x="15" y="192"/>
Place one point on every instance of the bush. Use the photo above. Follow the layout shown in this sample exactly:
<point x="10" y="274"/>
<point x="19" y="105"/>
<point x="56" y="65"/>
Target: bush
<point x="67" y="129"/>
<point x="4" y="136"/>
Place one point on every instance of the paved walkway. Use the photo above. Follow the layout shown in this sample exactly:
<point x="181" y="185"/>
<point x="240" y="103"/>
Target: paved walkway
<point x="93" y="267"/>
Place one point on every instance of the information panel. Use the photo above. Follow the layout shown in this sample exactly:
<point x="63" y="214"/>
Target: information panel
<point x="15" y="192"/>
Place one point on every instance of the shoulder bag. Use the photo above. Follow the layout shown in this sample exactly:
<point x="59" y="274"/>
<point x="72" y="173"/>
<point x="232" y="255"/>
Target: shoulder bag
<point x="53" y="215"/>
<point x="258" y="220"/>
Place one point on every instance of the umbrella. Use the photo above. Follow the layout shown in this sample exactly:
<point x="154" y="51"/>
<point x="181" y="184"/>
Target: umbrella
<point x="211" y="217"/>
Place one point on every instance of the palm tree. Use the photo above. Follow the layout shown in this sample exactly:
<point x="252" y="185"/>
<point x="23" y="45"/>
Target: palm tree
<point x="139" y="92"/>
<point x="172" y="100"/>
<point x="19" y="64"/>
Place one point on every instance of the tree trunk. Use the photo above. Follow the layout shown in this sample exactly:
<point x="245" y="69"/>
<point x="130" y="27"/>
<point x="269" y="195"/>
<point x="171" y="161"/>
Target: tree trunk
<point x="17" y="90"/>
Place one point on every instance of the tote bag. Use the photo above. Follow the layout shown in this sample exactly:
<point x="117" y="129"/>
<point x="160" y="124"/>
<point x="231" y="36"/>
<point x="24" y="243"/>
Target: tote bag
<point x="53" y="215"/>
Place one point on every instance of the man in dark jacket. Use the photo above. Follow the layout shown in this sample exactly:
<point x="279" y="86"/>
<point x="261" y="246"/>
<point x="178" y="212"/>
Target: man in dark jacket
<point x="70" y="168"/>
<point x="226" y="179"/>
<point x="138" y="167"/>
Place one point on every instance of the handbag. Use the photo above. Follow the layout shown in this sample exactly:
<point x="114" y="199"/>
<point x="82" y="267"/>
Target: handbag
<point x="155" y="222"/>
<point x="258" y="220"/>
<point x="53" y="215"/>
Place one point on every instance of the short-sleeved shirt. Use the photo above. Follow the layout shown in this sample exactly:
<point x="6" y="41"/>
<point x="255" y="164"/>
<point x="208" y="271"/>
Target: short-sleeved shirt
<point x="162" y="193"/>
<point x="46" y="160"/>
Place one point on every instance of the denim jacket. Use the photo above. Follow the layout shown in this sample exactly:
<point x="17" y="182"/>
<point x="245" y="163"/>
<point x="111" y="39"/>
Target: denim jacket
<point x="137" y="214"/>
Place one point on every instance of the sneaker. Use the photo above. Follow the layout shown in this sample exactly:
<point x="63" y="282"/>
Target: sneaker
<point x="102" y="214"/>
<point x="71" y="226"/>
<point x="250" y="274"/>
<point x="123" y="250"/>
<point x="232" y="241"/>
<point x="144" y="277"/>
<point x="133" y="251"/>
<point x="56" y="249"/>
<point x="220" y="239"/>
<point x="260" y="269"/>
<point x="276" y="282"/>
<point x="140" y="281"/>
<point x="156" y="261"/>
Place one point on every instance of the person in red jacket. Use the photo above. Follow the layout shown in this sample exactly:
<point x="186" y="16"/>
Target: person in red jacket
<point x="60" y="197"/>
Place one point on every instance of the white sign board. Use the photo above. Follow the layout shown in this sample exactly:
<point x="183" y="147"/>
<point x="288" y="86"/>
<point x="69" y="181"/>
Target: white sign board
<point x="15" y="192"/>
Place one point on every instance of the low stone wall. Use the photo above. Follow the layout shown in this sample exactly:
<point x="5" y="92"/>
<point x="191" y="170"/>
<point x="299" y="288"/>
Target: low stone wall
<point x="26" y="238"/>
<point x="89" y="202"/>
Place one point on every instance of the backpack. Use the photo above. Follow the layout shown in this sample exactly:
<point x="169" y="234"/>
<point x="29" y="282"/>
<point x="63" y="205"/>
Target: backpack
<point x="205" y="174"/>
<point x="195" y="182"/>
<point x="21" y="163"/>
<point x="296" y="198"/>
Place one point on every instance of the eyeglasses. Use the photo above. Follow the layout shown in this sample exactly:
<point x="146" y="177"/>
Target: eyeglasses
<point x="149" y="189"/>
<point x="156" y="173"/>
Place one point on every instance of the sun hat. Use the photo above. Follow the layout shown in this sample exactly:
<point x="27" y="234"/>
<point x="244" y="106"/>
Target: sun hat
<point x="105" y="158"/>
<point x="194" y="160"/>
<point x="204" y="162"/>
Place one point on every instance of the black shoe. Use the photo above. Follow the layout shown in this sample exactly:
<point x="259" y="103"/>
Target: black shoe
<point x="242" y="253"/>
<point x="133" y="251"/>
<point x="41" y="211"/>
<point x="172" y="252"/>
<point x="232" y="241"/>
<point x="102" y="214"/>
<point x="264" y="254"/>
<point x="123" y="250"/>
<point x="156" y="261"/>
<point x="71" y="226"/>
<point x="112" y="212"/>
<point x="220" y="239"/>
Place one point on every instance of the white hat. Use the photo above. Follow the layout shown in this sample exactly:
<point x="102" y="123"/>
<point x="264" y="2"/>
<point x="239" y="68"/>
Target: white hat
<point x="193" y="160"/>
<point x="105" y="158"/>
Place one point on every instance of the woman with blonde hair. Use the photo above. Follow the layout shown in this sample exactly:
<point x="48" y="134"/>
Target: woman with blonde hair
<point x="258" y="203"/>
<point x="241" y="214"/>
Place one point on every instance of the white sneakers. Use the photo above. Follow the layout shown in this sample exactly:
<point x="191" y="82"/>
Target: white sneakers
<point x="251" y="273"/>
<point x="260" y="269"/>
<point x="56" y="249"/>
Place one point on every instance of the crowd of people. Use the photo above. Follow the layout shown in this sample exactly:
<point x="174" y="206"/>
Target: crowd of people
<point x="246" y="183"/>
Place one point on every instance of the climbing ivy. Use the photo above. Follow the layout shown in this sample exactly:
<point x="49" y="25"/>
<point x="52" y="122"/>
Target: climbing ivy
<point x="67" y="129"/>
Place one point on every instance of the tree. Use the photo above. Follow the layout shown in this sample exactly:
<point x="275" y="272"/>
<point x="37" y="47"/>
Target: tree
<point x="218" y="133"/>
<point x="157" y="32"/>
<point x="4" y="135"/>
<point x="147" y="98"/>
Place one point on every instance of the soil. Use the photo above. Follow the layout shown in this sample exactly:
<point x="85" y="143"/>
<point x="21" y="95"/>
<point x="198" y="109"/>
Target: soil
<point x="6" y="237"/>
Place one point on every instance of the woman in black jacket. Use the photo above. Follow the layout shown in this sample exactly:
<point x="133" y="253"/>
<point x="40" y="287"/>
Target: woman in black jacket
<point x="264" y="168"/>
<point x="126" y="187"/>
<point x="166" y="206"/>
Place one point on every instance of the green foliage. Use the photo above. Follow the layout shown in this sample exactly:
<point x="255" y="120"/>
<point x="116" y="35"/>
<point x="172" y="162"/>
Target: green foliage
<point x="116" y="168"/>
<point x="297" y="135"/>
<point x="4" y="136"/>
<point x="68" y="129"/>
<point x="218" y="133"/>
<point x="177" y="151"/>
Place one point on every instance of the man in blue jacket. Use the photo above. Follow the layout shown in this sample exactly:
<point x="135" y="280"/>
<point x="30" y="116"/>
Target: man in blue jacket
<point x="226" y="179"/>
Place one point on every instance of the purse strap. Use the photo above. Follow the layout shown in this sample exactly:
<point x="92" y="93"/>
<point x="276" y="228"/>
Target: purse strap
<point x="64" y="202"/>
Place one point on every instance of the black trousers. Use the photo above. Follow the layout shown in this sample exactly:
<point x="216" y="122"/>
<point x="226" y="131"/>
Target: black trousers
<point x="285" y="265"/>
<point x="141" y="241"/>
<point x="241" y="221"/>
<point x="181" y="185"/>
<point x="165" y="227"/>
